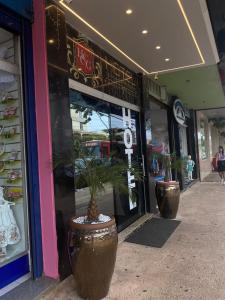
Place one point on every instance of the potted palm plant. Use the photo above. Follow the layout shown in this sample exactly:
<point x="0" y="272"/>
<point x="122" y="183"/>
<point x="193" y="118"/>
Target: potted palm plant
<point x="168" y="191"/>
<point x="93" y="237"/>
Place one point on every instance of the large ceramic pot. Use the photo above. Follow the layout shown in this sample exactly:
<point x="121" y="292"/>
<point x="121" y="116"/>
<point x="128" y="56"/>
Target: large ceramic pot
<point x="93" y="254"/>
<point x="168" y="197"/>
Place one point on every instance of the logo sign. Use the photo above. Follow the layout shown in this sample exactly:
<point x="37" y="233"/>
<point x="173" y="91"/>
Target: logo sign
<point x="84" y="59"/>
<point x="179" y="112"/>
<point x="128" y="142"/>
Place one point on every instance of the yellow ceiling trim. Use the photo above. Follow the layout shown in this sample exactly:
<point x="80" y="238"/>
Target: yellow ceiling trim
<point x="62" y="2"/>
<point x="190" y="29"/>
<point x="177" y="68"/>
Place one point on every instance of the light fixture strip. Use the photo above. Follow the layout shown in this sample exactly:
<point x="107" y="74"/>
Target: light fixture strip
<point x="177" y="69"/>
<point x="102" y="36"/>
<point x="190" y="29"/>
<point x="129" y="58"/>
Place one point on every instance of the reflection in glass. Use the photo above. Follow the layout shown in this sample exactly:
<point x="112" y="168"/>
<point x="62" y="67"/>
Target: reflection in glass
<point x="157" y="138"/>
<point x="91" y="126"/>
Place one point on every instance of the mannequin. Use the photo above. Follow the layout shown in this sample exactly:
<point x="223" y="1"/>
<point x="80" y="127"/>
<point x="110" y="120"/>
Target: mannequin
<point x="190" y="167"/>
<point x="9" y="231"/>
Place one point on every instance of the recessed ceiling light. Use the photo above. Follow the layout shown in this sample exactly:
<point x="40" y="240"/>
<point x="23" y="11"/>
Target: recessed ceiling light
<point x="51" y="41"/>
<point x="129" y="11"/>
<point x="167" y="59"/>
<point x="145" y="31"/>
<point x="158" y="47"/>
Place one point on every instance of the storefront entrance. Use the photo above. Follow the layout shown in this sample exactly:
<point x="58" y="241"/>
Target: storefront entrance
<point x="110" y="133"/>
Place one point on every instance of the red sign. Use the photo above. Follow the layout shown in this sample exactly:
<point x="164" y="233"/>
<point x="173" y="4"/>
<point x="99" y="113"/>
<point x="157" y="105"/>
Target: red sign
<point x="84" y="59"/>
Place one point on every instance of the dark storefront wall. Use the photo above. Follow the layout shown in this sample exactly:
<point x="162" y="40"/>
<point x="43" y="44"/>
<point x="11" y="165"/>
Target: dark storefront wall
<point x="102" y="73"/>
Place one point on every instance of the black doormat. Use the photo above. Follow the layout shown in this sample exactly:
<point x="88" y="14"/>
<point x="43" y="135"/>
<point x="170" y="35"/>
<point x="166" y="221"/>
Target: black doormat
<point x="153" y="233"/>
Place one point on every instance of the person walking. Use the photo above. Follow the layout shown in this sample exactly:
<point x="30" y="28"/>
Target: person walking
<point x="220" y="163"/>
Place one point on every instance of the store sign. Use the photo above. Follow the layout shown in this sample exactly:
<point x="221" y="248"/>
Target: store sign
<point x="92" y="66"/>
<point x="84" y="59"/>
<point x="22" y="7"/>
<point x="128" y="141"/>
<point x="179" y="112"/>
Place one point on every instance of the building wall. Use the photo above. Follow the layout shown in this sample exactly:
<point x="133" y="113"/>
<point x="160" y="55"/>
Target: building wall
<point x="204" y="162"/>
<point x="213" y="140"/>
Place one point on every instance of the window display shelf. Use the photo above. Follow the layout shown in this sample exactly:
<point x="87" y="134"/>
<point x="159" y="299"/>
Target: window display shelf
<point x="9" y="67"/>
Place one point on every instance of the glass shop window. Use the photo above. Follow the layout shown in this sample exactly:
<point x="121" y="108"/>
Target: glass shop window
<point x="157" y="138"/>
<point x="91" y="132"/>
<point x="13" y="200"/>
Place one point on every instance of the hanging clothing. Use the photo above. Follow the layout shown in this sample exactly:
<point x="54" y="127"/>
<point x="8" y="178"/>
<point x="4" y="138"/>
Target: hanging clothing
<point x="9" y="231"/>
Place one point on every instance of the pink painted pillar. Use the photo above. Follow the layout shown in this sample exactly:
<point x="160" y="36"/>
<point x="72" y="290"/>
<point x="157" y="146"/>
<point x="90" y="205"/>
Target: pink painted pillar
<point x="48" y="221"/>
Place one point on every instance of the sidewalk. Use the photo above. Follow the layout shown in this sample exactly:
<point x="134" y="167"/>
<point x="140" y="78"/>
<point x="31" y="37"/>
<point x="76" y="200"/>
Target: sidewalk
<point x="190" y="265"/>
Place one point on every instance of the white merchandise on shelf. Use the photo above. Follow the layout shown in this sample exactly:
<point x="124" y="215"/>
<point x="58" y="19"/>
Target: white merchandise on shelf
<point x="9" y="67"/>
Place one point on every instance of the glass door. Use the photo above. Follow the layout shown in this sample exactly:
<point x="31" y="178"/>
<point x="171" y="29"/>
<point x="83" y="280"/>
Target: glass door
<point x="14" y="244"/>
<point x="109" y="133"/>
<point x="126" y="147"/>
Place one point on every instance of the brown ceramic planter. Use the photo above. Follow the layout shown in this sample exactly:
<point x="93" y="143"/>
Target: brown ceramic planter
<point x="168" y="197"/>
<point x="93" y="257"/>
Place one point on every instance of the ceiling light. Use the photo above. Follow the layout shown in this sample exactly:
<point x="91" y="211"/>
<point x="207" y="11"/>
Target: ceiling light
<point x="145" y="31"/>
<point x="129" y="11"/>
<point x="158" y="47"/>
<point x="51" y="41"/>
<point x="167" y="59"/>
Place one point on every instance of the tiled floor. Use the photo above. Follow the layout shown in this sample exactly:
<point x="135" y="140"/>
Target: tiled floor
<point x="190" y="265"/>
<point x="26" y="290"/>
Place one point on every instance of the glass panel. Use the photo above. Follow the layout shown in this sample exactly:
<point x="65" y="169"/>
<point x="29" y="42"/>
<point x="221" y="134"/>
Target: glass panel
<point x="184" y="153"/>
<point x="13" y="210"/>
<point x="157" y="138"/>
<point x="91" y="128"/>
<point x="125" y="148"/>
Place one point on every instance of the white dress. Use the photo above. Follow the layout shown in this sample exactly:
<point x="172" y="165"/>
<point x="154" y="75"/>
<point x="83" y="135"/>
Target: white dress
<point x="9" y="231"/>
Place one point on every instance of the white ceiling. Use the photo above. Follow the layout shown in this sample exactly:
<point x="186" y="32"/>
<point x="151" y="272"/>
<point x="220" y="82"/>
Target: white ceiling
<point x="198" y="88"/>
<point x="165" y="23"/>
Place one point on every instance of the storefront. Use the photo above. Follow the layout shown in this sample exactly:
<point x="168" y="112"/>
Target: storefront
<point x="20" y="228"/>
<point x="169" y="128"/>
<point x="95" y="110"/>
<point x="183" y="125"/>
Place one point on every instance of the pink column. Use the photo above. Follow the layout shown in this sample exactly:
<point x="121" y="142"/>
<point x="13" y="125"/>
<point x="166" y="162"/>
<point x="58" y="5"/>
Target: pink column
<point x="48" y="221"/>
